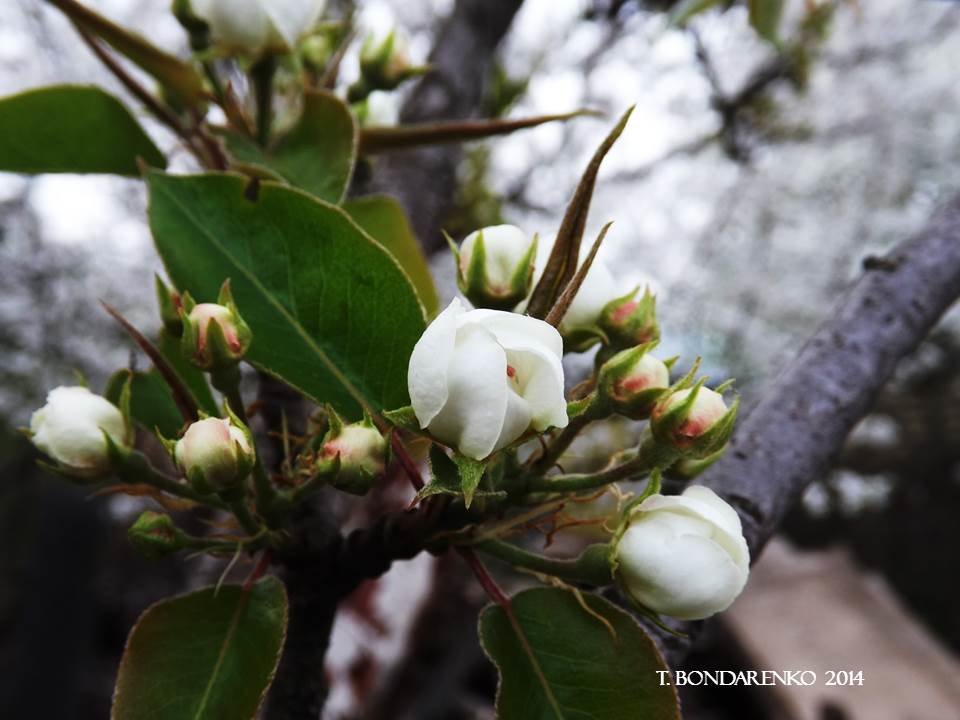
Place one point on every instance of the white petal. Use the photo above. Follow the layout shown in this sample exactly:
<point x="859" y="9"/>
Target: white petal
<point x="238" y="24"/>
<point x="429" y="364"/>
<point x="473" y="415"/>
<point x="704" y="504"/>
<point x="518" y="332"/>
<point x="541" y="384"/>
<point x="516" y="420"/>
<point x="292" y="18"/>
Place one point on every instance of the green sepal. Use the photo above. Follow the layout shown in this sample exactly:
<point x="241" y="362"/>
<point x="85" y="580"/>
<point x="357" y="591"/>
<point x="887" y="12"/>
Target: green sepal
<point x="169" y="302"/>
<point x="404" y="418"/>
<point x="154" y="535"/>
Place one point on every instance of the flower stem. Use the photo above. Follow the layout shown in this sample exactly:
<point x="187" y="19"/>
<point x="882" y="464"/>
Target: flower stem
<point x="592" y="567"/>
<point x="261" y="73"/>
<point x="651" y="456"/>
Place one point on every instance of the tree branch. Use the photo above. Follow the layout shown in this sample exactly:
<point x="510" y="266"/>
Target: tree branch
<point x="793" y="434"/>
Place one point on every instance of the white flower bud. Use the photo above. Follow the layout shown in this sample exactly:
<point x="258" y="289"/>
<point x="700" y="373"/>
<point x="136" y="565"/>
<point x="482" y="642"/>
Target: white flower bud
<point x="215" y="337"/>
<point x="478" y="380"/>
<point x="70" y="428"/>
<point x="632" y="381"/>
<point x="214" y="454"/>
<point x="500" y="275"/>
<point x="683" y="556"/>
<point x="707" y="409"/>
<point x="361" y="452"/>
<point x="254" y="26"/>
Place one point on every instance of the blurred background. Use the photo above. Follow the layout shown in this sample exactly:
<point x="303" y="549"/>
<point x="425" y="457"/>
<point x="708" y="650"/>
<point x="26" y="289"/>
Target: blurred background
<point x="748" y="190"/>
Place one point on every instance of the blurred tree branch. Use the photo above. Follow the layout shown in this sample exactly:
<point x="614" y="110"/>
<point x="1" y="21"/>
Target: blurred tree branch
<point x="790" y="438"/>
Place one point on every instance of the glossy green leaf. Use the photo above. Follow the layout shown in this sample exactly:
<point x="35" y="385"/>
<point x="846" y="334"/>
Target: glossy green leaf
<point x="387" y="223"/>
<point x="331" y="311"/>
<point x="765" y="16"/>
<point x="72" y="128"/>
<point x="151" y="403"/>
<point x="205" y="655"/>
<point x="179" y="79"/>
<point x="574" y="665"/>
<point x="317" y="154"/>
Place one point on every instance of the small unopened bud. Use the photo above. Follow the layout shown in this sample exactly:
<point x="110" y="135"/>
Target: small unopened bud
<point x="215" y="337"/>
<point x="357" y="452"/>
<point x="632" y="381"/>
<point x="72" y="429"/>
<point x="215" y="454"/>
<point x="695" y="421"/>
<point x="629" y="321"/>
<point x="154" y="535"/>
<point x="170" y="304"/>
<point x="495" y="266"/>
<point x="384" y="65"/>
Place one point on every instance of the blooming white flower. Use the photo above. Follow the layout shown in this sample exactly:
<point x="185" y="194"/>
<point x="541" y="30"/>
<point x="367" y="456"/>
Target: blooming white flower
<point x="214" y="454"/>
<point x="253" y="26"/>
<point x="683" y="556"/>
<point x="70" y="427"/>
<point x="382" y="109"/>
<point x="479" y="379"/>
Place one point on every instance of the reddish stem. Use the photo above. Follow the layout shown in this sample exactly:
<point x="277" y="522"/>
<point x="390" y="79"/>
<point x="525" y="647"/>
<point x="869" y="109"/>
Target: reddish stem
<point x="263" y="562"/>
<point x="406" y="462"/>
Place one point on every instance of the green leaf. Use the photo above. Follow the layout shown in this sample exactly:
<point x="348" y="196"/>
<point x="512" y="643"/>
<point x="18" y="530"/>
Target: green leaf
<point x="572" y="666"/>
<point x="765" y="16"/>
<point x="192" y="377"/>
<point x="206" y="655"/>
<point x="72" y="128"/>
<point x="686" y="9"/>
<point x="317" y="154"/>
<point x="331" y="311"/>
<point x="562" y="263"/>
<point x="387" y="223"/>
<point x="151" y="403"/>
<point x="178" y="78"/>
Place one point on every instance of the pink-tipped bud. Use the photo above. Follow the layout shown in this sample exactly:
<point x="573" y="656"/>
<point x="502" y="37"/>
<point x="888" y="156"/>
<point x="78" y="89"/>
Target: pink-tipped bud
<point x="215" y="454"/>
<point x="357" y="452"/>
<point x="696" y="421"/>
<point x="215" y="337"/>
<point x="629" y="320"/>
<point x="632" y="381"/>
